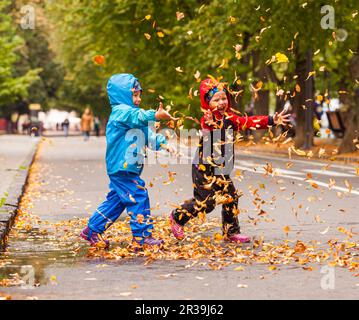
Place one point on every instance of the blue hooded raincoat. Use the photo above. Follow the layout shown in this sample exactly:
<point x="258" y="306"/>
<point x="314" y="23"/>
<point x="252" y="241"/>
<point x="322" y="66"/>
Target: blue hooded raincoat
<point x="127" y="135"/>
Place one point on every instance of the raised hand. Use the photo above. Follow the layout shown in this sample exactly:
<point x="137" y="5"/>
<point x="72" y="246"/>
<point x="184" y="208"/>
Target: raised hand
<point x="281" y="118"/>
<point x="162" y="114"/>
<point x="208" y="115"/>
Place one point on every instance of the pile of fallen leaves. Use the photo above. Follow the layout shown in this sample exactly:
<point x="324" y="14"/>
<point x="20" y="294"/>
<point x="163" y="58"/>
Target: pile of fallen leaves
<point x="203" y="245"/>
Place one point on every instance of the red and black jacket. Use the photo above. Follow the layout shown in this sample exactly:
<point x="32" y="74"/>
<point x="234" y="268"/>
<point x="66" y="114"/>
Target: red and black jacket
<point x="216" y="148"/>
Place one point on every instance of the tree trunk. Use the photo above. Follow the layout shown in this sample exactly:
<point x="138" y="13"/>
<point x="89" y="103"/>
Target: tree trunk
<point x="261" y="103"/>
<point x="244" y="75"/>
<point x="301" y="102"/>
<point x="351" y="121"/>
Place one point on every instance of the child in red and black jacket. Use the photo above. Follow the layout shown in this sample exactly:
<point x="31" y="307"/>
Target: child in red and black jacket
<point x="214" y="161"/>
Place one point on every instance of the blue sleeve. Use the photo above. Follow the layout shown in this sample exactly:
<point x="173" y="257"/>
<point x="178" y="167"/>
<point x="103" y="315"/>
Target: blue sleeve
<point x="154" y="140"/>
<point x="134" y="117"/>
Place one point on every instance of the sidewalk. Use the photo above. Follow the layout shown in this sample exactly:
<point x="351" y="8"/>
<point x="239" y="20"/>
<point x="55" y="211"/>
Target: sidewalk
<point x="16" y="155"/>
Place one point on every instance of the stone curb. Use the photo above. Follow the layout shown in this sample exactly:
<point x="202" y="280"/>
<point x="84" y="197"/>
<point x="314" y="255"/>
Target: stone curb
<point x="9" y="210"/>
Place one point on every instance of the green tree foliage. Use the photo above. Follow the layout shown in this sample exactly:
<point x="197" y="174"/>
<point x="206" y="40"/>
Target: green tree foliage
<point x="12" y="86"/>
<point x="171" y="45"/>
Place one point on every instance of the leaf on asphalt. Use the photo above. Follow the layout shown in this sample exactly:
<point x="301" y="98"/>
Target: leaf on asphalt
<point x="325" y="231"/>
<point x="272" y="268"/>
<point x="125" y="294"/>
<point x="169" y="275"/>
<point x="240" y="268"/>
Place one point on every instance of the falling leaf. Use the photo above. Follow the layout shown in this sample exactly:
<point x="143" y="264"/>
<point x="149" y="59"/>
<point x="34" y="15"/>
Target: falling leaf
<point x="310" y="74"/>
<point x="148" y="36"/>
<point x="99" y="59"/>
<point x="202" y="167"/>
<point x="314" y="185"/>
<point x="179" y="15"/>
<point x="232" y="19"/>
<point x="218" y="237"/>
<point x="331" y="183"/>
<point x="223" y="64"/>
<point x="309" y="175"/>
<point x="178" y="69"/>
<point x="197" y="75"/>
<point x="160" y="34"/>
<point x="53" y="279"/>
<point x="289" y="165"/>
<point x="281" y="58"/>
<point x="340" y="194"/>
<point x="286" y="229"/>
<point x="348" y="185"/>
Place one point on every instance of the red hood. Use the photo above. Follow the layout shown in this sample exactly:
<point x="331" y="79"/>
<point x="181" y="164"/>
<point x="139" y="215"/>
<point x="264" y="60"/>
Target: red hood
<point x="205" y="86"/>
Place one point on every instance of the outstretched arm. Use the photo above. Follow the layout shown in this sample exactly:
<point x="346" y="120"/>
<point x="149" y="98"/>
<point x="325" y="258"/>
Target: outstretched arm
<point x="254" y="122"/>
<point x="137" y="117"/>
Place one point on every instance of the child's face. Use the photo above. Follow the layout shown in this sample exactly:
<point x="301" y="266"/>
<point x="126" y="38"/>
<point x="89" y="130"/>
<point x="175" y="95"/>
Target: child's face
<point x="219" y="101"/>
<point x="136" y="96"/>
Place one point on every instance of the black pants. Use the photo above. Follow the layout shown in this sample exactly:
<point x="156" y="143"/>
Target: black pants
<point x="204" y="200"/>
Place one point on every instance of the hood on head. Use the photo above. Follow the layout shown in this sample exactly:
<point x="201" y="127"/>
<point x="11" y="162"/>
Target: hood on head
<point x="120" y="89"/>
<point x="205" y="86"/>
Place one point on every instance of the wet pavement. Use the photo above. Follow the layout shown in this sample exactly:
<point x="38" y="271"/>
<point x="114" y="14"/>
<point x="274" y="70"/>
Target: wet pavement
<point x="45" y="258"/>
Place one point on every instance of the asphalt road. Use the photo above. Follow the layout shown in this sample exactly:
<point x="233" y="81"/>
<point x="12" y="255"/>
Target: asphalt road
<point x="72" y="182"/>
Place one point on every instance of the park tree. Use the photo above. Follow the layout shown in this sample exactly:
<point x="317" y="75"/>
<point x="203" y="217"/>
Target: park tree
<point x="36" y="54"/>
<point x="269" y="52"/>
<point x="13" y="85"/>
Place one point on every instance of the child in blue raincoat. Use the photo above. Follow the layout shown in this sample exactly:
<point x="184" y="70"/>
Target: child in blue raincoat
<point x="127" y="135"/>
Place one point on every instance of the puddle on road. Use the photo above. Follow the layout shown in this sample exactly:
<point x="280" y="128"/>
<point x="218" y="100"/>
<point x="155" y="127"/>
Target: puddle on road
<point x="32" y="251"/>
